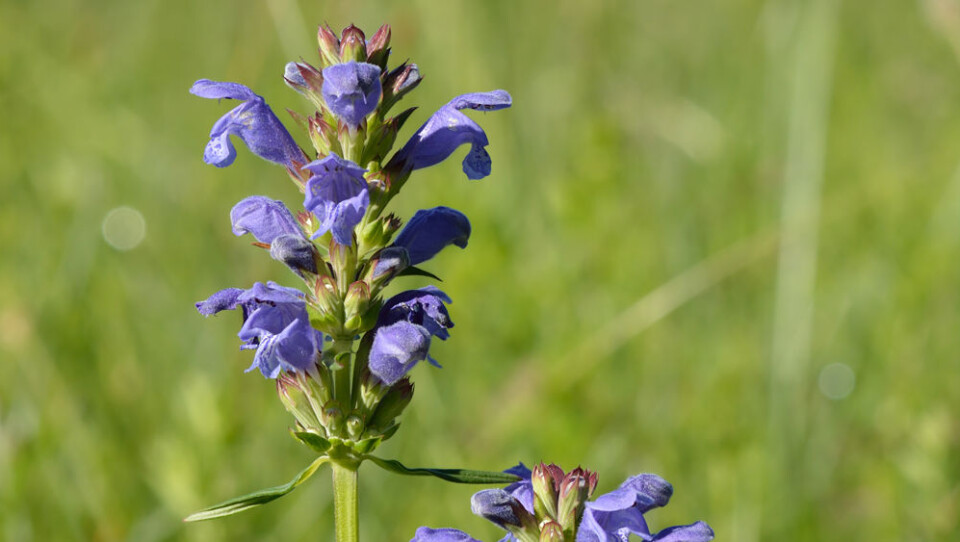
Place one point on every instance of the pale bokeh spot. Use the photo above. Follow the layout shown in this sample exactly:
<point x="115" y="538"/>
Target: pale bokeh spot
<point x="836" y="381"/>
<point x="124" y="228"/>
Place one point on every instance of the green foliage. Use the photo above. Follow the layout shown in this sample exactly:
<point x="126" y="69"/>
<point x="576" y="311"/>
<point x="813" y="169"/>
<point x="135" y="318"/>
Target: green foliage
<point x="616" y="307"/>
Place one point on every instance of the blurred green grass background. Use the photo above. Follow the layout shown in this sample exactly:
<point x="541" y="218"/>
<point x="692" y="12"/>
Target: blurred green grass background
<point x="695" y="208"/>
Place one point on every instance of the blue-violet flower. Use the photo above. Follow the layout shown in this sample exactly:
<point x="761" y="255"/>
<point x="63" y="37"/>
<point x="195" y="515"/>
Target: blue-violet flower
<point x="447" y="129"/>
<point x="431" y="230"/>
<point x="252" y="121"/>
<point x="275" y="323"/>
<point x="263" y="217"/>
<point x="351" y="90"/>
<point x="337" y="194"/>
<point x="406" y="323"/>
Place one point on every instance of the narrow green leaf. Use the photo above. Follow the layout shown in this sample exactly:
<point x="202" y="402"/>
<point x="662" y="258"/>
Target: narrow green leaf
<point x="313" y="440"/>
<point x="257" y="498"/>
<point x="458" y="476"/>
<point x="417" y="272"/>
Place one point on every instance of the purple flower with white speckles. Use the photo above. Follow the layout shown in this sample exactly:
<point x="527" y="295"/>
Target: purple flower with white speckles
<point x="275" y="323"/>
<point x="337" y="194"/>
<point x="252" y="121"/>
<point x="447" y="129"/>
<point x="351" y="90"/>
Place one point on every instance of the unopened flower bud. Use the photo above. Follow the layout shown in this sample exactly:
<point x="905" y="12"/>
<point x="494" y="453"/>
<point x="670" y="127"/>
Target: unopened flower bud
<point x="392" y="404"/>
<point x="329" y="46"/>
<point x="332" y="418"/>
<point x="297" y="252"/>
<point x="354" y="426"/>
<point x="407" y="79"/>
<point x="295" y="400"/>
<point x="551" y="532"/>
<point x="398" y="83"/>
<point x="575" y="489"/>
<point x="293" y="78"/>
<point x="355" y="304"/>
<point x="326" y="315"/>
<point x="353" y="45"/>
<point x="546" y="486"/>
<point x="505" y="511"/>
<point x="378" y="49"/>
<point x="387" y="264"/>
<point x="344" y="259"/>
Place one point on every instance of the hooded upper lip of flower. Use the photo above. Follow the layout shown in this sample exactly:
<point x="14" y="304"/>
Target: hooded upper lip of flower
<point x="252" y="121"/>
<point x="337" y="194"/>
<point x="351" y="90"/>
<point x="431" y="230"/>
<point x="447" y="129"/>
<point x="275" y="323"/>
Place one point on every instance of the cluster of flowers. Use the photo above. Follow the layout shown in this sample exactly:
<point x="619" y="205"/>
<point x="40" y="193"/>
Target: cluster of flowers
<point x="548" y="505"/>
<point x="347" y="249"/>
<point x="343" y="246"/>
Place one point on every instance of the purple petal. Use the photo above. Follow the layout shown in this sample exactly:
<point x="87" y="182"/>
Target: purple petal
<point x="351" y="90"/>
<point x="431" y="230"/>
<point x="619" y="499"/>
<point x="221" y="301"/>
<point x="447" y="129"/>
<point x="522" y="490"/>
<point x="276" y="323"/>
<point x="483" y="101"/>
<point x="498" y="506"/>
<point x="396" y="349"/>
<point x="598" y="526"/>
<point x="217" y="90"/>
<point x="426" y="534"/>
<point x="294" y="251"/>
<point x="652" y="491"/>
<point x="696" y="532"/>
<point x="337" y="194"/>
<point x="263" y="217"/>
<point x="424" y="307"/>
<point x="252" y="121"/>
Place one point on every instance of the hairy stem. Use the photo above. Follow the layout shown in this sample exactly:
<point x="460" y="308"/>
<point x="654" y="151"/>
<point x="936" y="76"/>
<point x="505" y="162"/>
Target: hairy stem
<point x="345" y="502"/>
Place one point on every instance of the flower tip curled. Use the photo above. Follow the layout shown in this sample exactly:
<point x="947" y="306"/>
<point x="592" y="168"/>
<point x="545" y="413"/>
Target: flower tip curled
<point x="252" y="121"/>
<point x="431" y="230"/>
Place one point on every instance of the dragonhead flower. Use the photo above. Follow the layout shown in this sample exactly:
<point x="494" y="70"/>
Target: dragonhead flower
<point x="252" y="121"/>
<point x="271" y="223"/>
<point x="337" y="194"/>
<point x="404" y="329"/>
<point x="351" y="90"/>
<point x="275" y="323"/>
<point x="546" y="505"/>
<point x="447" y="129"/>
<point x="431" y="230"/>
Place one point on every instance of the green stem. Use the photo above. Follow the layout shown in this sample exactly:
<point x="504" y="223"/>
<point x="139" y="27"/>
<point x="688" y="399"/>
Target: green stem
<point x="345" y="502"/>
<point x="342" y="378"/>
